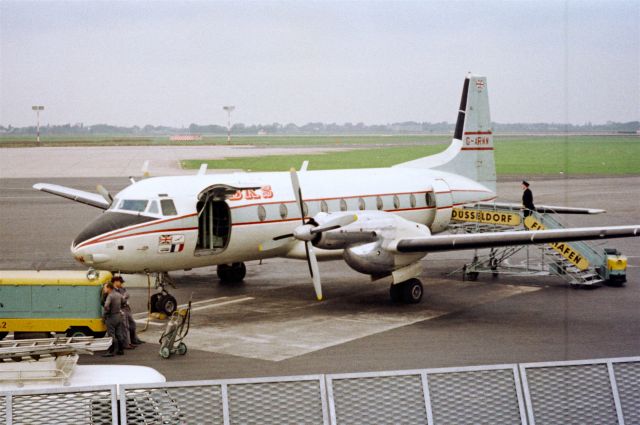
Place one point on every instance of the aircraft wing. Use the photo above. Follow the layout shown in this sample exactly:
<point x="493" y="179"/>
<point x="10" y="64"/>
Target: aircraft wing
<point x="81" y="196"/>
<point x="541" y="208"/>
<point x="528" y="237"/>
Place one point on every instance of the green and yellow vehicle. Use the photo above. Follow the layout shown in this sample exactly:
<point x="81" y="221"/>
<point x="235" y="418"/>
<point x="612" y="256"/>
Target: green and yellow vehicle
<point x="60" y="301"/>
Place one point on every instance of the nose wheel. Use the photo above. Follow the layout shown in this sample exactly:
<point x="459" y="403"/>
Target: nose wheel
<point x="163" y="301"/>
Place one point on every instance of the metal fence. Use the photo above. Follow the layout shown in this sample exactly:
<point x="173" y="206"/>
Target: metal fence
<point x="579" y="392"/>
<point x="66" y="406"/>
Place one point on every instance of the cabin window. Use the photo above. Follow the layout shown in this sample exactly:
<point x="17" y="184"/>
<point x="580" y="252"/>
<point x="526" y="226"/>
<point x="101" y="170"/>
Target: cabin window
<point x="262" y="213"/>
<point x="168" y="207"/>
<point x="324" y="207"/>
<point x="343" y="205"/>
<point x="361" y="204"/>
<point x="283" y="211"/>
<point x="153" y="207"/>
<point x="379" y="203"/>
<point x="137" y="205"/>
<point x="430" y="199"/>
<point x="396" y="202"/>
<point x="412" y="200"/>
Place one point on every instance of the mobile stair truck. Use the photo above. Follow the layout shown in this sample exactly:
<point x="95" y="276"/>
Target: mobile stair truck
<point x="35" y="303"/>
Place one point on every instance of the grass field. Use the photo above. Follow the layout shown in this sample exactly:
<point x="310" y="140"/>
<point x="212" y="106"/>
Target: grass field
<point x="542" y="155"/>
<point x="585" y="155"/>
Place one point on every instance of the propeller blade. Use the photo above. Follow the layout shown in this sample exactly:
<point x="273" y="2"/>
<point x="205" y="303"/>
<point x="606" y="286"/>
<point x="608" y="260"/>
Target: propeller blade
<point x="145" y="169"/>
<point x="315" y="272"/>
<point x="335" y="223"/>
<point x="288" y="235"/>
<point x="295" y="183"/>
<point x="105" y="193"/>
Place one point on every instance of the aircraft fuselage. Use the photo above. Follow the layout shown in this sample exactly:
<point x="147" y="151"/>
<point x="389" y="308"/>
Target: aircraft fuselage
<point x="169" y="223"/>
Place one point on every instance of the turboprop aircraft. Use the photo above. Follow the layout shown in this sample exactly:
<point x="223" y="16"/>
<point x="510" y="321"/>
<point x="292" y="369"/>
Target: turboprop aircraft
<point x="381" y="222"/>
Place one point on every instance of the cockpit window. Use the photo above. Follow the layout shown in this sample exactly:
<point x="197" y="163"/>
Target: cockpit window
<point x="168" y="207"/>
<point x="137" y="205"/>
<point x="153" y="207"/>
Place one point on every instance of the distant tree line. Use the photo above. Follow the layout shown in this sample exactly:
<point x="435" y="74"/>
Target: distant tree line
<point x="316" y="128"/>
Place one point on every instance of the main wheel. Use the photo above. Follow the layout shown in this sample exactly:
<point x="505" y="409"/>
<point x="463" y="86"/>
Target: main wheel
<point x="182" y="349"/>
<point x="232" y="273"/>
<point x="412" y="291"/>
<point x="395" y="293"/>
<point x="167" y="304"/>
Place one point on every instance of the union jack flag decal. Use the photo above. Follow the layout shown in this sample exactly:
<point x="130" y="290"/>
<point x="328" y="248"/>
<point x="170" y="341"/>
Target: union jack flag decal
<point x="479" y="84"/>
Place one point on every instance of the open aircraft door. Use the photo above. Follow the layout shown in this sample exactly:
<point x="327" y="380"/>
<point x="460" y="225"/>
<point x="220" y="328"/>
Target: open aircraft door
<point x="444" y="206"/>
<point x="214" y="218"/>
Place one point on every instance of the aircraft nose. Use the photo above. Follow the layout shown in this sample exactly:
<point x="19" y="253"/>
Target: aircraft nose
<point x="90" y="255"/>
<point x="108" y="222"/>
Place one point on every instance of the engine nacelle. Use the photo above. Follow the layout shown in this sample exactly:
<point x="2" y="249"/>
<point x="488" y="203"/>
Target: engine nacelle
<point x="370" y="259"/>
<point x="364" y="241"/>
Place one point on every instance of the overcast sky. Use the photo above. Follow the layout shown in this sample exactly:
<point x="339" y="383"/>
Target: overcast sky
<point x="176" y="63"/>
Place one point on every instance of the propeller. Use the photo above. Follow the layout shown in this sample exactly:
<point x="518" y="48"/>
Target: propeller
<point x="145" y="169"/>
<point x="105" y="193"/>
<point x="307" y="232"/>
<point x="312" y="262"/>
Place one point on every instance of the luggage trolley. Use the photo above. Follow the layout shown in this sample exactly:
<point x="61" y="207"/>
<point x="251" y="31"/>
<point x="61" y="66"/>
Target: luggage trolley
<point x="171" y="340"/>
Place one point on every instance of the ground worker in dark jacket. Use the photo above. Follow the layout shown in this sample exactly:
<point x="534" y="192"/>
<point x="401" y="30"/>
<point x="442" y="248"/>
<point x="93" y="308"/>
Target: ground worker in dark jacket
<point x="129" y="324"/>
<point x="527" y="199"/>
<point x="113" y="320"/>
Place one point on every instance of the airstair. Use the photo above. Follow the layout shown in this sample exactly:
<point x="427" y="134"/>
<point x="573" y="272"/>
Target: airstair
<point x="580" y="264"/>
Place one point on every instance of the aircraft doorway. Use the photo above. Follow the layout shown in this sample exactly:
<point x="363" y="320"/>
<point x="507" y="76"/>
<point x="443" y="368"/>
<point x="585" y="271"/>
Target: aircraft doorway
<point x="214" y="226"/>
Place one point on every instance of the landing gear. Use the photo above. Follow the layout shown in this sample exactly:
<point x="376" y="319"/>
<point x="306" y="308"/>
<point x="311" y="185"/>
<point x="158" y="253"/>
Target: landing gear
<point x="232" y="273"/>
<point x="163" y="302"/>
<point x="408" y="292"/>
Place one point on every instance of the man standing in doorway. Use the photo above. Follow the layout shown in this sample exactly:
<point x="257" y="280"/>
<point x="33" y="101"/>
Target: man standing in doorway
<point x="527" y="199"/>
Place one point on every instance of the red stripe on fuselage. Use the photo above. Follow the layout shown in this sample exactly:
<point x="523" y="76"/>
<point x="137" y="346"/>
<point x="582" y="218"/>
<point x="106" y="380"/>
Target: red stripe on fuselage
<point x="127" y="229"/>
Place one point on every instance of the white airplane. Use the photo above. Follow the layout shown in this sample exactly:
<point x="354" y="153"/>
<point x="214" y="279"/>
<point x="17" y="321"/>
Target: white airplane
<point x="381" y="221"/>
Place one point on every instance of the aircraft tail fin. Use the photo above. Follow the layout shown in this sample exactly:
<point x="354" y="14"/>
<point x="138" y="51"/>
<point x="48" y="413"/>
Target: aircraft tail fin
<point x="470" y="153"/>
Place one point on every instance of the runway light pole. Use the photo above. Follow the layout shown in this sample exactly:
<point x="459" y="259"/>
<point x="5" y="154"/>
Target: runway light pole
<point x="229" y="109"/>
<point x="38" y="108"/>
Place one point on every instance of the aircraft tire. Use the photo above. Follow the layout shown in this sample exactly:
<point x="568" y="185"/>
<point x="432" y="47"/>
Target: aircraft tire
<point x="182" y="349"/>
<point x="167" y="304"/>
<point x="395" y="293"/>
<point x="232" y="273"/>
<point x="153" y="302"/>
<point x="412" y="291"/>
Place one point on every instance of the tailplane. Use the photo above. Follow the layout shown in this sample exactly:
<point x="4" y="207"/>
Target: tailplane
<point x="470" y="153"/>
